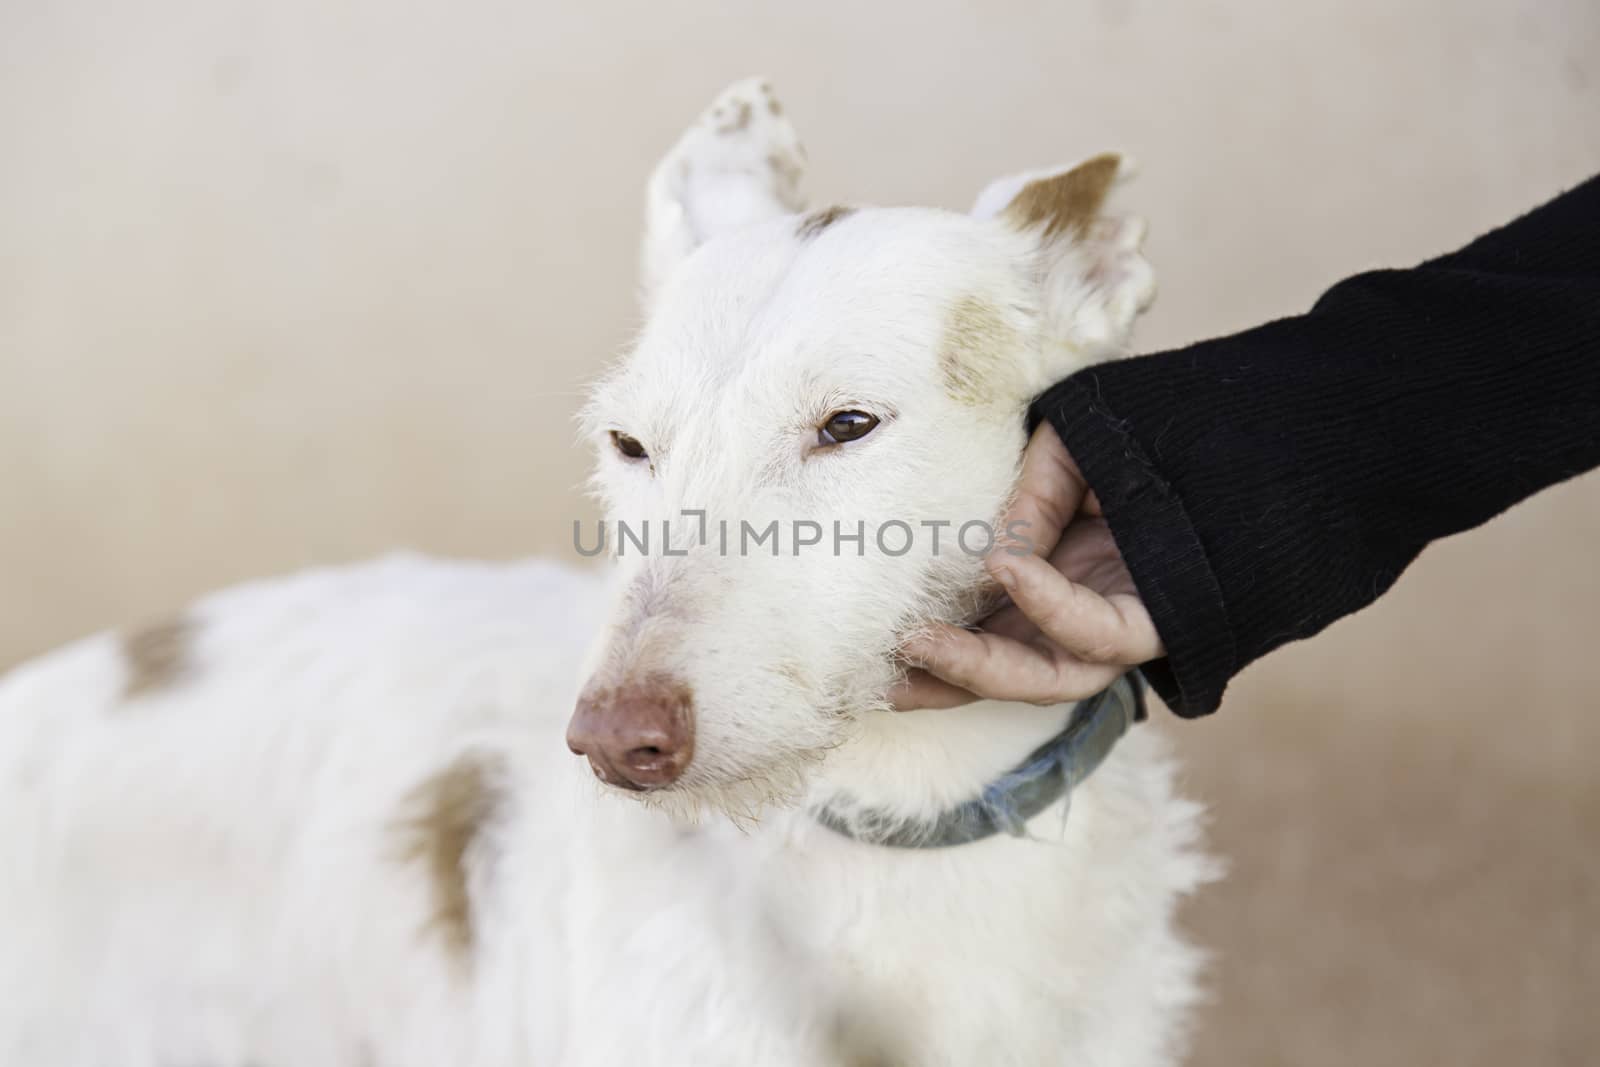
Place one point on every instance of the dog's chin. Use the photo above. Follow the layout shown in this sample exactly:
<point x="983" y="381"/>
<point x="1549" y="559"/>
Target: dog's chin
<point x="742" y="794"/>
<point x="743" y="802"/>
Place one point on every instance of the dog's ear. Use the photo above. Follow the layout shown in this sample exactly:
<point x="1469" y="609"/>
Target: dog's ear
<point x="738" y="164"/>
<point x="1093" y="277"/>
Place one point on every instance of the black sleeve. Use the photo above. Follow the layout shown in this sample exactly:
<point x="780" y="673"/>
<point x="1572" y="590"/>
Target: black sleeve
<point x="1263" y="485"/>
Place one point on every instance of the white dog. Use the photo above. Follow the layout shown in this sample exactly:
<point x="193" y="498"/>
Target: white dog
<point x="332" y="820"/>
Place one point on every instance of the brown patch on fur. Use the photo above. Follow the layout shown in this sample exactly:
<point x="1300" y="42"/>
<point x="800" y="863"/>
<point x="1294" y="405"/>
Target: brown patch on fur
<point x="861" y="1040"/>
<point x="975" y="350"/>
<point x="773" y="107"/>
<point x="1065" y="203"/>
<point x="818" y="221"/>
<point x="793" y="671"/>
<point x="157" y="656"/>
<point x="452" y="809"/>
<point x="783" y="167"/>
<point x="740" y="119"/>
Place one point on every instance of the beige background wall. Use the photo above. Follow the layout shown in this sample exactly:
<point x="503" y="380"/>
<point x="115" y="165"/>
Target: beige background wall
<point x="293" y="281"/>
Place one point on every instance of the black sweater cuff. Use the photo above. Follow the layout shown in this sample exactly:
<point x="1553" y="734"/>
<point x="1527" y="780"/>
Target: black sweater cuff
<point x="1157" y="540"/>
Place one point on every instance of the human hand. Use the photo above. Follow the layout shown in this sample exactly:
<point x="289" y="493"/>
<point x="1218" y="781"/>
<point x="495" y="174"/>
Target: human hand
<point x="1074" y="623"/>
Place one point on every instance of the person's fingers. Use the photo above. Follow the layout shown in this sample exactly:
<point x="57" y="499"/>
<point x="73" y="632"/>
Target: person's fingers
<point x="1001" y="668"/>
<point x="1086" y="625"/>
<point x="922" y="690"/>
<point x="1049" y="493"/>
<point x="1056" y="640"/>
<point x="1009" y="621"/>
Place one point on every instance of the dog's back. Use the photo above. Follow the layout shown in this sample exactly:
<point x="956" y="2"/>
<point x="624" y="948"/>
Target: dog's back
<point x="239" y="832"/>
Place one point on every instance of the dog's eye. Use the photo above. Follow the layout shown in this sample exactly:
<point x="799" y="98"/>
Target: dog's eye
<point x="628" y="446"/>
<point x="845" y="426"/>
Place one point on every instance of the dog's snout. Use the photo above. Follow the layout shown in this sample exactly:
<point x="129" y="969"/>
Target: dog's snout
<point x="639" y="735"/>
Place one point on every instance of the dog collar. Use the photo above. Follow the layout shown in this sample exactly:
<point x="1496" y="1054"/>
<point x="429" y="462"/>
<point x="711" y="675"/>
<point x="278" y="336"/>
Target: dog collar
<point x="1006" y="804"/>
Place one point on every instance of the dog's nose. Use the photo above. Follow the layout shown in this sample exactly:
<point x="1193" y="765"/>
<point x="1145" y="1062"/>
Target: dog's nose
<point x="639" y="735"/>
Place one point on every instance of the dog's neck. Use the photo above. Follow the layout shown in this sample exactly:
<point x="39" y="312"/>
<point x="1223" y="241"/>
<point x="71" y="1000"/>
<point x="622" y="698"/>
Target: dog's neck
<point x="916" y="765"/>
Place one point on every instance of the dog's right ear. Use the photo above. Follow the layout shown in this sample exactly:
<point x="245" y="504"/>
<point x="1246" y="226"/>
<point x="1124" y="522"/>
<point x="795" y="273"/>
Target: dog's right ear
<point x="740" y="163"/>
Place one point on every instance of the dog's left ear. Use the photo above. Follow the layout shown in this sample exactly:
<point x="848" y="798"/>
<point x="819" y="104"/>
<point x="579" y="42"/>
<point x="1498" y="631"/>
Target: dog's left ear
<point x="1093" y="278"/>
<point x="739" y="163"/>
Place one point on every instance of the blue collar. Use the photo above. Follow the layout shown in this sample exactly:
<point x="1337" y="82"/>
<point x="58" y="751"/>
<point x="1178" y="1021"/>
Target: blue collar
<point x="1006" y="804"/>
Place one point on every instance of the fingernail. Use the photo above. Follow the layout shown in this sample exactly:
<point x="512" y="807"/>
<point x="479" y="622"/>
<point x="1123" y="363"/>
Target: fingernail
<point x="1003" y="574"/>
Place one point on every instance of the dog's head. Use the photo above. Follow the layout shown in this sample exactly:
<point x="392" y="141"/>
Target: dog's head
<point x="803" y="458"/>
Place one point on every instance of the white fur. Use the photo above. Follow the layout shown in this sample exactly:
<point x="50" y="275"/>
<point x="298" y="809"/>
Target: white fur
<point x="214" y="873"/>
